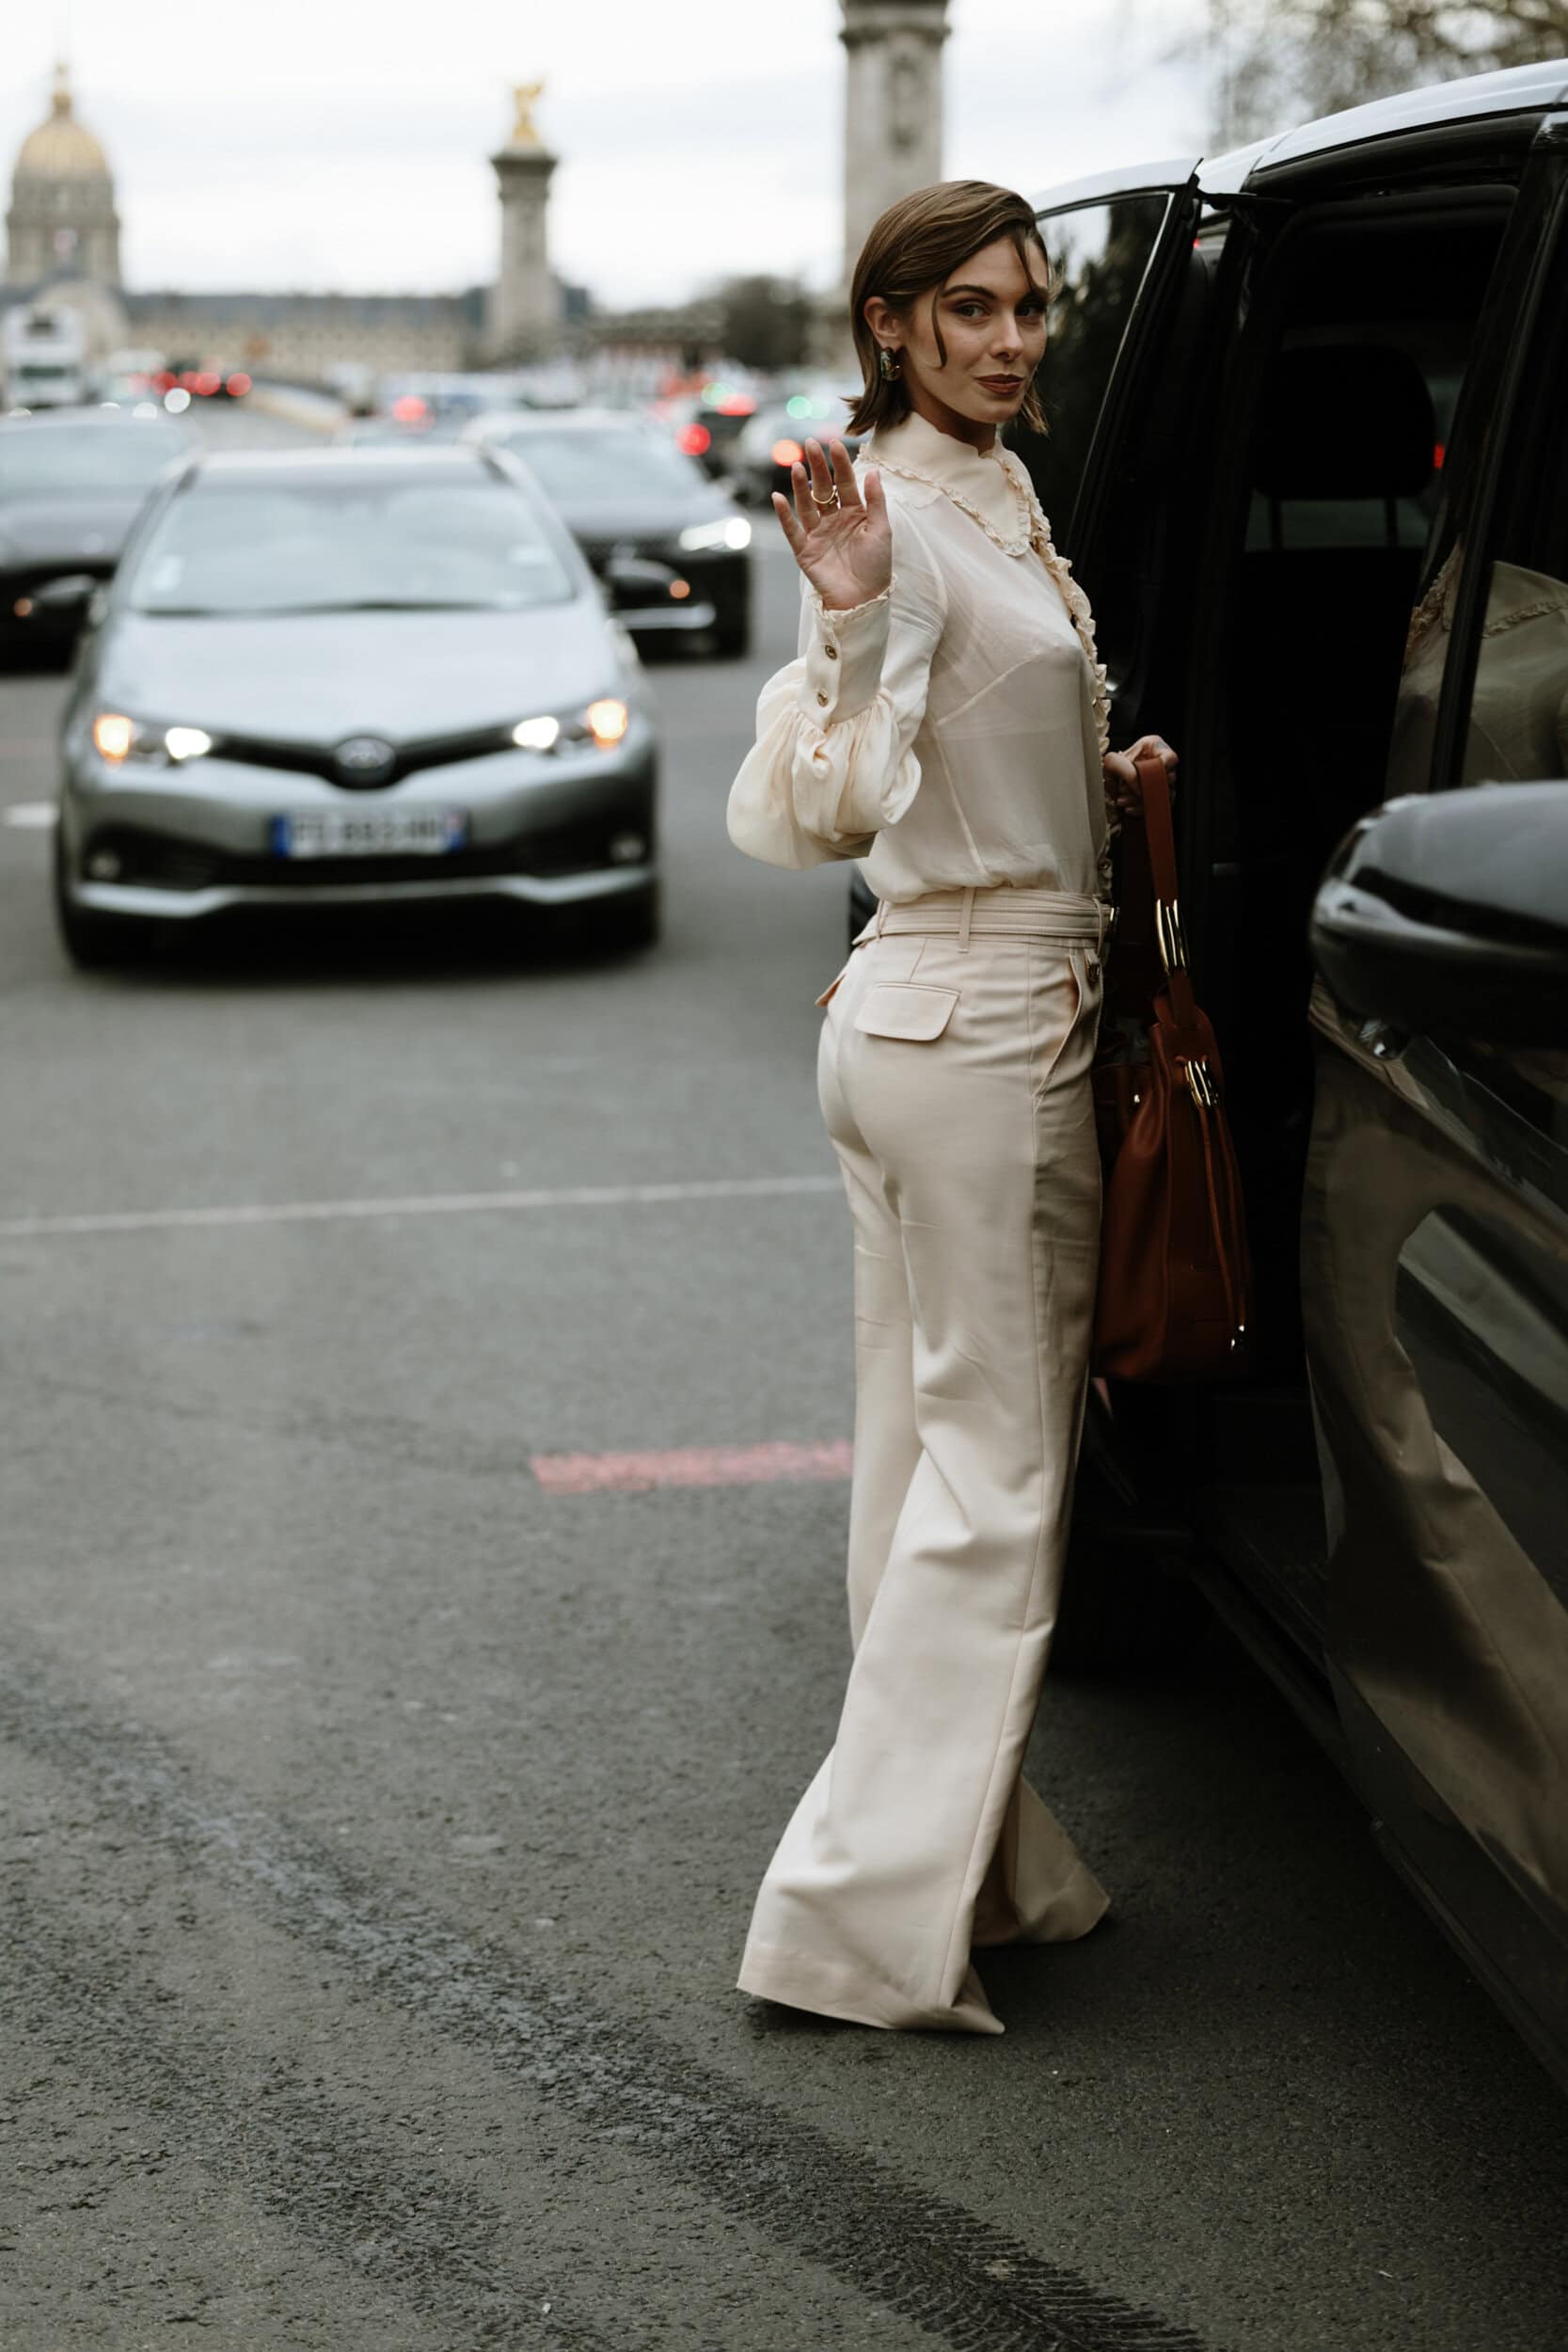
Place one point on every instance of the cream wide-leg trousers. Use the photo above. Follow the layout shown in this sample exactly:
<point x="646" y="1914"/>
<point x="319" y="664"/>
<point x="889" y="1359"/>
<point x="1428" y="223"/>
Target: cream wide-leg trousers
<point x="954" y="1074"/>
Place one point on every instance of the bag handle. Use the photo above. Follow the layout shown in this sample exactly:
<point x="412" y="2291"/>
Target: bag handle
<point x="1160" y="837"/>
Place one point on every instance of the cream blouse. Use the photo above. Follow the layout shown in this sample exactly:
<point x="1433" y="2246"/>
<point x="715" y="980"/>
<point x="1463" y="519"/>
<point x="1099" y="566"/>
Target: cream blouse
<point x="950" y="731"/>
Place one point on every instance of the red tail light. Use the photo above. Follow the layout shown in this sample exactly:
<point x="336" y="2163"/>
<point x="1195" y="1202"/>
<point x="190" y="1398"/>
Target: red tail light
<point x="694" y="439"/>
<point x="788" y="453"/>
<point x="239" y="384"/>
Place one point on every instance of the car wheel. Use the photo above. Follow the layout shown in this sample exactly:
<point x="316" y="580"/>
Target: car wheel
<point x="91" y="939"/>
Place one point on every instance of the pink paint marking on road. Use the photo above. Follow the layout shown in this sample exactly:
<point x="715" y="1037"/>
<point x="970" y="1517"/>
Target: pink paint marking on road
<point x="691" y="1466"/>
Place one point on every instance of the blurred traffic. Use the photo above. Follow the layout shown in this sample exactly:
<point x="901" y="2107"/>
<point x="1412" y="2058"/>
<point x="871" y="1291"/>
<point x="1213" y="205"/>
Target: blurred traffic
<point x="395" y="663"/>
<point x="351" y="676"/>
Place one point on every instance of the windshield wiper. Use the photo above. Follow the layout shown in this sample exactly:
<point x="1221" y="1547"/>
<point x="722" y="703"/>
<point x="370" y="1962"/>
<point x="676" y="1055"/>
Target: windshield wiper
<point x="294" y="611"/>
<point x="379" y="604"/>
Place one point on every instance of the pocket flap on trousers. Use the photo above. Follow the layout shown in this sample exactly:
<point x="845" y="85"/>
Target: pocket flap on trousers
<point x="904" y="1008"/>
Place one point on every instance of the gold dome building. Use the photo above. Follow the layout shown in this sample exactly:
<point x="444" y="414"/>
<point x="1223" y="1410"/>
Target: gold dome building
<point x="62" y="212"/>
<point x="62" y="234"/>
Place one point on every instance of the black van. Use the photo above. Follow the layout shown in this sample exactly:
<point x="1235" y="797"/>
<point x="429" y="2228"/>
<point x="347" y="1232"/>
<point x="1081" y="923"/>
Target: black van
<point x="1310" y="457"/>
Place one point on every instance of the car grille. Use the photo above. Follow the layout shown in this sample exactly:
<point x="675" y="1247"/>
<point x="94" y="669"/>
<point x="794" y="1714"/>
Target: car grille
<point x="153" y="861"/>
<point x="311" y="759"/>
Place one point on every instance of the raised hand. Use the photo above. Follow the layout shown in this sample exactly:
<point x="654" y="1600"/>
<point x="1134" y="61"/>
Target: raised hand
<point x="843" y="544"/>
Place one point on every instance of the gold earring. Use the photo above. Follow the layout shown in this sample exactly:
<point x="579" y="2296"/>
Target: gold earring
<point x="889" y="363"/>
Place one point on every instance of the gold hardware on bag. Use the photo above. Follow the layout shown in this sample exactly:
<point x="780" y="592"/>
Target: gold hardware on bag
<point x="1169" y="936"/>
<point x="1201" y="1085"/>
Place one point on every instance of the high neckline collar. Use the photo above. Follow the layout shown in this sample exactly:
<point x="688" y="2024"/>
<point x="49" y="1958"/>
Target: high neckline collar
<point x="914" y="441"/>
<point x="981" y="476"/>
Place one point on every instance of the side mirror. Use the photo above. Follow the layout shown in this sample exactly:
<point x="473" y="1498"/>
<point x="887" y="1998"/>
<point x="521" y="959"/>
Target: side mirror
<point x="1449" y="913"/>
<point x="635" y="580"/>
<point x="67" y="594"/>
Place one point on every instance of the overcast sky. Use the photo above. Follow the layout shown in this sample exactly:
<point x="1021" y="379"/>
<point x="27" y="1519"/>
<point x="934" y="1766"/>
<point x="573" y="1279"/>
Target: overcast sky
<point x="314" y="144"/>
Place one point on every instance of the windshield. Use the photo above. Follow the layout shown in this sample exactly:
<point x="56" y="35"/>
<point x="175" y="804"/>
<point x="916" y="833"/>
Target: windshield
<point x="415" y="547"/>
<point x="581" y="468"/>
<point x="55" y="461"/>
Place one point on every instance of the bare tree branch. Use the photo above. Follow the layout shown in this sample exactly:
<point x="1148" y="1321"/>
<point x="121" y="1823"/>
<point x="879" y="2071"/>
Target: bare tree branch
<point x="1272" y="61"/>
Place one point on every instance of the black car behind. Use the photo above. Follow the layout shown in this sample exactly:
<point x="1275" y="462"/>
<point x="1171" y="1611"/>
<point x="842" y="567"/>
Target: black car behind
<point x="71" y="487"/>
<point x="669" y="545"/>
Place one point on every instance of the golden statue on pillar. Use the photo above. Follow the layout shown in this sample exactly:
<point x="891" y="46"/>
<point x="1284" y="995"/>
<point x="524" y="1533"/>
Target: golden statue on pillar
<point x="525" y="130"/>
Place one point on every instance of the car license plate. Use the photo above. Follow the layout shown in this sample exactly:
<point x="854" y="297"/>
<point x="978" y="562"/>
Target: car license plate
<point x="369" y="832"/>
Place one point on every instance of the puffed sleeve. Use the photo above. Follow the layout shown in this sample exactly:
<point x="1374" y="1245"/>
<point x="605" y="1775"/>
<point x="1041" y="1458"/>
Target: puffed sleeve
<point x="834" y="760"/>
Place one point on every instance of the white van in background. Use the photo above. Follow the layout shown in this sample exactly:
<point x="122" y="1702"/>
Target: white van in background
<point x="43" y="357"/>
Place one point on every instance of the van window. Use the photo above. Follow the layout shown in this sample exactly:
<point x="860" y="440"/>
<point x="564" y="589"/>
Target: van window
<point x="1403" y="516"/>
<point x="1360" y="332"/>
<point x="1366" y="343"/>
<point x="1101" y="253"/>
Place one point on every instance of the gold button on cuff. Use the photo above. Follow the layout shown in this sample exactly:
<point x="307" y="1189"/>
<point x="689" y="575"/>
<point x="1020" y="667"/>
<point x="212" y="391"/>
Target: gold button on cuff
<point x="822" y="699"/>
<point x="831" y="652"/>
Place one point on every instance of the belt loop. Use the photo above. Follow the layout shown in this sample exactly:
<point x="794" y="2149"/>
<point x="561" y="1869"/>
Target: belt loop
<point x="967" y="910"/>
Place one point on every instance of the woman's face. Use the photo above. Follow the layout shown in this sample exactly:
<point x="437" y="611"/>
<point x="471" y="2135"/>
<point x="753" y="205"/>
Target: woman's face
<point x="991" y="312"/>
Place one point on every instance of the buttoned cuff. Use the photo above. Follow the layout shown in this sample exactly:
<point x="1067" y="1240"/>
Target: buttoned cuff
<point x="844" y="652"/>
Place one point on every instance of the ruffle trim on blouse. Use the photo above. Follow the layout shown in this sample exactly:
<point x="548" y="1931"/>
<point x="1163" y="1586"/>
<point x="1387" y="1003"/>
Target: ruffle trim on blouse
<point x="1080" y="614"/>
<point x="1079" y="609"/>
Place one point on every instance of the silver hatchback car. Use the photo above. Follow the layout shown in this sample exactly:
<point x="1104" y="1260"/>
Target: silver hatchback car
<point x="348" y="676"/>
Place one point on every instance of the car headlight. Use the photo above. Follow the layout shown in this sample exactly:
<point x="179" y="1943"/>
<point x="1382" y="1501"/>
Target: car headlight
<point x="117" y="738"/>
<point x="733" y="531"/>
<point x="602" y="723"/>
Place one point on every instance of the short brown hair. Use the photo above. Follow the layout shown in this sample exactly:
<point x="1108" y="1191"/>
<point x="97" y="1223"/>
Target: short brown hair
<point x="914" y="247"/>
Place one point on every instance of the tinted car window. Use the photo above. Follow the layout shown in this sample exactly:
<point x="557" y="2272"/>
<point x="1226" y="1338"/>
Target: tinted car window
<point x="1438" y="350"/>
<point x="57" y="460"/>
<point x="581" y="466"/>
<point x="229" y="548"/>
<point x="1101" y="253"/>
<point x="1358" y="341"/>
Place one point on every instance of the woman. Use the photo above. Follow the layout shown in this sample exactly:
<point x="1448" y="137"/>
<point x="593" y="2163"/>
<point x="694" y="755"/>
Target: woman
<point x="945" y="720"/>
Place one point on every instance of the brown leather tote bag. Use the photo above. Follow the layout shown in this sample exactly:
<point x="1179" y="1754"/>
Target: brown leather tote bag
<point x="1175" y="1278"/>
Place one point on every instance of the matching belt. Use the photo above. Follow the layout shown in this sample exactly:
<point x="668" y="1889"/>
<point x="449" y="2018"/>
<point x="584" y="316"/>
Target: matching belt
<point x="998" y="912"/>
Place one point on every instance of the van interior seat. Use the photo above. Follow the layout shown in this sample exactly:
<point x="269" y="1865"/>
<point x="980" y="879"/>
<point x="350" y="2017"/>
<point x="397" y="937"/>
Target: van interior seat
<point x="1319" y="630"/>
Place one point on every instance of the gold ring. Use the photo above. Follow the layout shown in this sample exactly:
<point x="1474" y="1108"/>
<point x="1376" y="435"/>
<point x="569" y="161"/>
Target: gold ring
<point x="832" y="501"/>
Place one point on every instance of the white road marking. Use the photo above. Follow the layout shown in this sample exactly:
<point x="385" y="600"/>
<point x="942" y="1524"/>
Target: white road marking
<point x="418" y="1204"/>
<point x="32" y="815"/>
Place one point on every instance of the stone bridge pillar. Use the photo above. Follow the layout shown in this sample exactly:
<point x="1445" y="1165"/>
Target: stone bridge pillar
<point x="892" y="107"/>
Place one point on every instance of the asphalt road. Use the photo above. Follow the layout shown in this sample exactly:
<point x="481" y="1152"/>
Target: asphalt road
<point x="380" y="1810"/>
